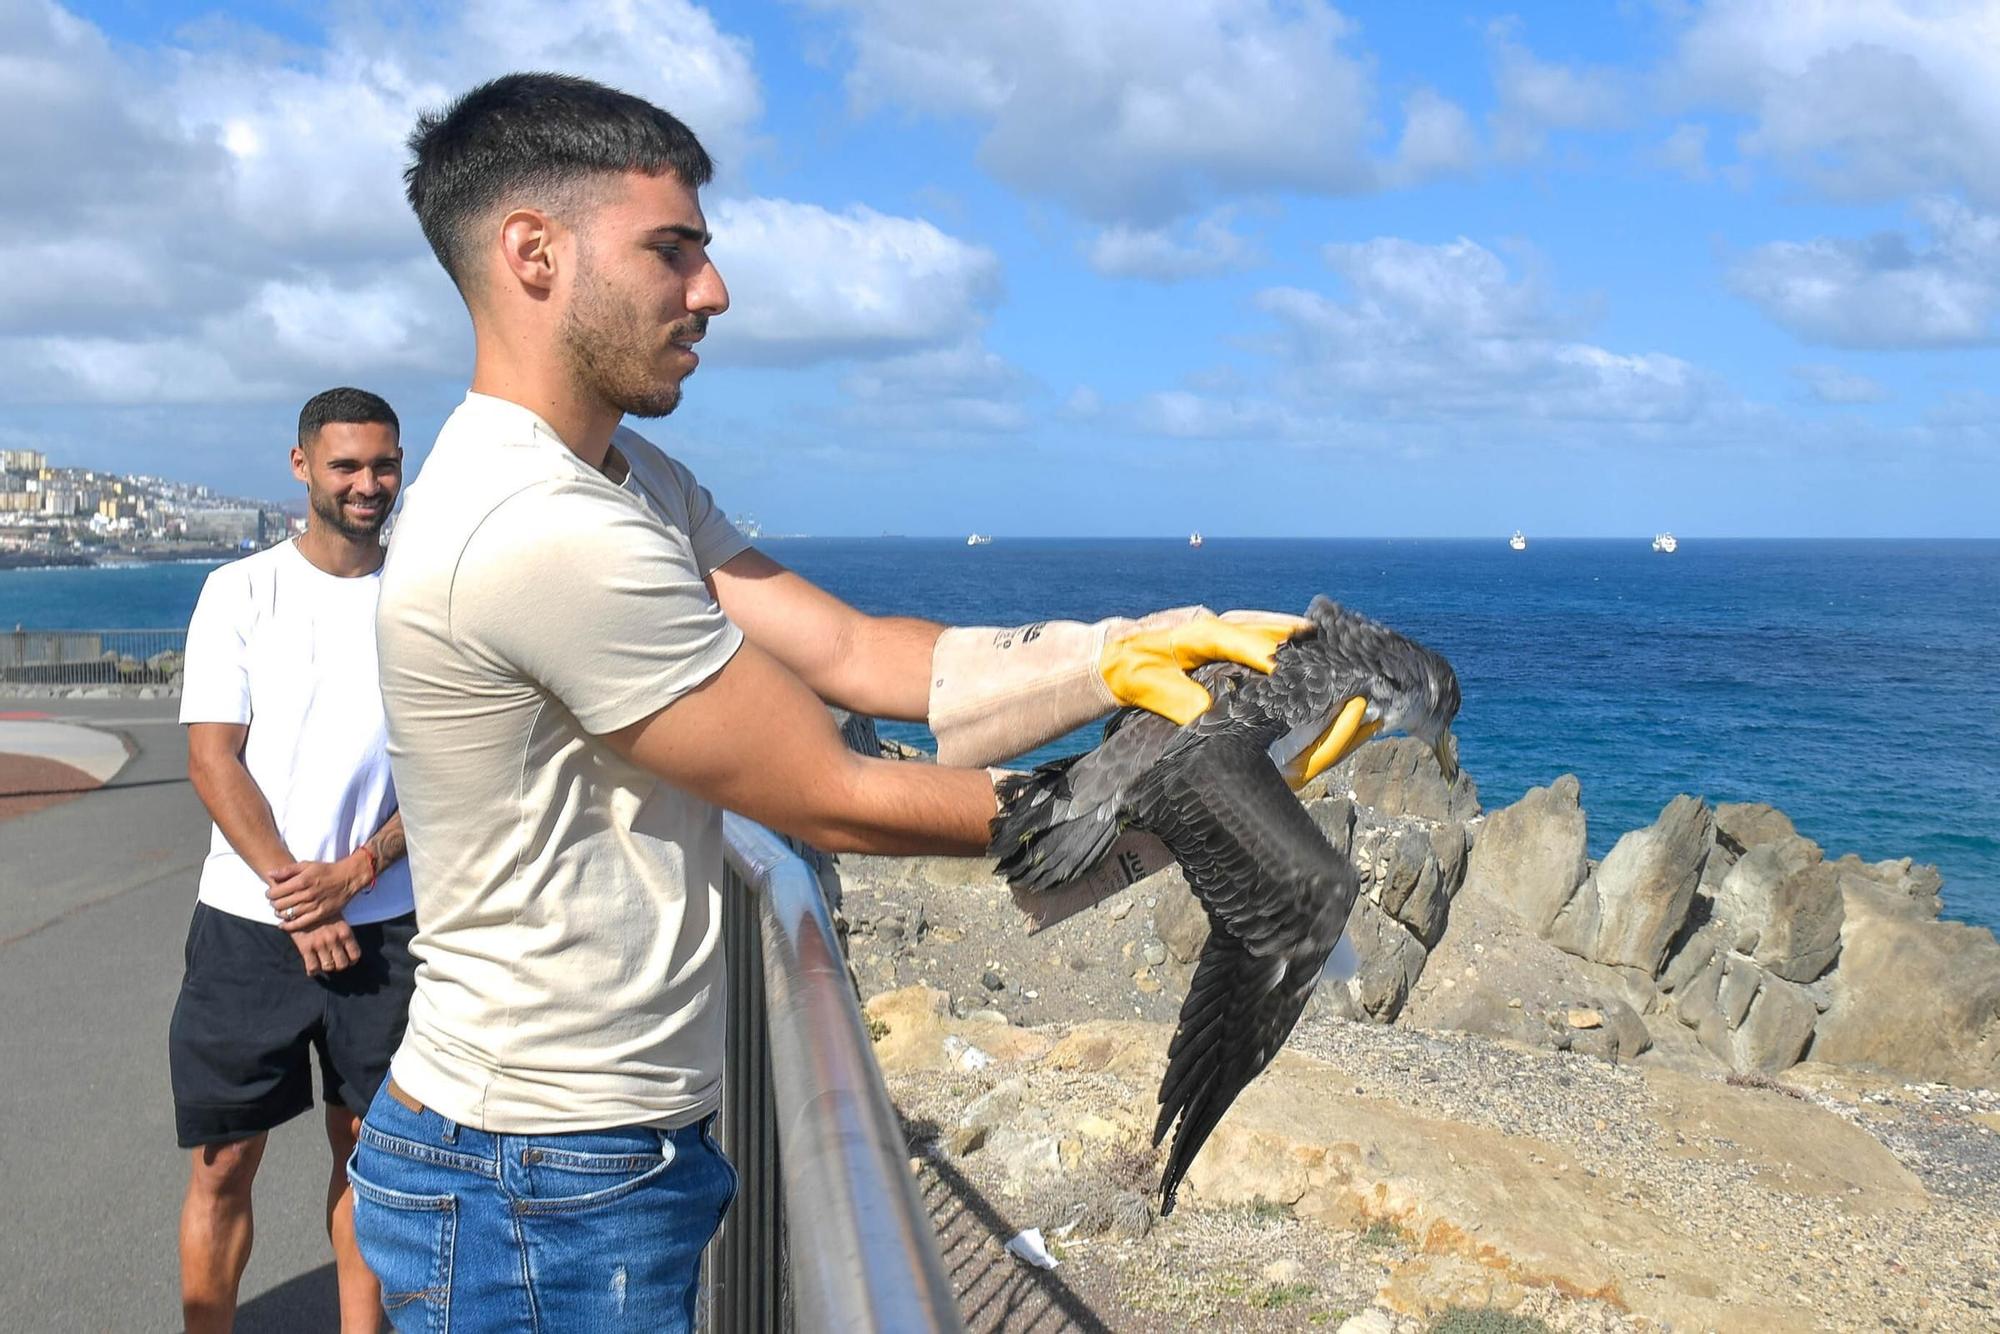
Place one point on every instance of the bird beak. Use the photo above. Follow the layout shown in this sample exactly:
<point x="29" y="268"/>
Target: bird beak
<point x="1337" y="742"/>
<point x="1446" y="750"/>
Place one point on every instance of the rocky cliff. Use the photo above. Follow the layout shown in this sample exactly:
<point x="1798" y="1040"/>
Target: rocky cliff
<point x="1716" y="1080"/>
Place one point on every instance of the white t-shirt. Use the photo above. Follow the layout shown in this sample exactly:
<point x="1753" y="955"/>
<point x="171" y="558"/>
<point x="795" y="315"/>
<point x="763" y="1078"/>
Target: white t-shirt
<point x="569" y="970"/>
<point x="280" y="644"/>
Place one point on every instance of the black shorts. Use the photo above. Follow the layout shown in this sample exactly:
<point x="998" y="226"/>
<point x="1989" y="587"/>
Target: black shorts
<point x="249" y="1018"/>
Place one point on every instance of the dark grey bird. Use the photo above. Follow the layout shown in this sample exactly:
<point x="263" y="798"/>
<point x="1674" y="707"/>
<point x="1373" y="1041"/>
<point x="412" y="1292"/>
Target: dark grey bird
<point x="1219" y="793"/>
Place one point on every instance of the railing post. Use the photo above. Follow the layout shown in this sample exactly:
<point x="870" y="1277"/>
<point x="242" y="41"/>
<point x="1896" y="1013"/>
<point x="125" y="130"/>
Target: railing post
<point x="828" y="1231"/>
<point x="747" y="1279"/>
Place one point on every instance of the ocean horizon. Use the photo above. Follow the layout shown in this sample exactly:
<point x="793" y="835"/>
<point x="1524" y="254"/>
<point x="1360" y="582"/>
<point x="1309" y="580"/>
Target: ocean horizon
<point x="1853" y="683"/>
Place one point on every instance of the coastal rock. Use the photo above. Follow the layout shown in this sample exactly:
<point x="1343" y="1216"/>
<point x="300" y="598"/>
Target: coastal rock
<point x="1690" y="954"/>
<point x="1517" y="1205"/>
<point x="1911" y="995"/>
<point x="1783" y="907"/>
<point x="1490" y="975"/>
<point x="1773" y="1034"/>
<point x="1635" y="903"/>
<point x="1744" y="1015"/>
<point x="1027" y="1158"/>
<point x="1597" y="1025"/>
<point x="1698" y="1000"/>
<point x="1530" y="856"/>
<point x="1740" y="981"/>
<point x="1410" y="886"/>
<point x="1398" y="776"/>
<point x="1742" y="825"/>
<point x="1451" y="844"/>
<point x="913" y="1029"/>
<point x="1335" y="817"/>
<point x="995" y="1107"/>
<point x="1739" y="827"/>
<point x="1391" y="961"/>
<point x="1900" y="886"/>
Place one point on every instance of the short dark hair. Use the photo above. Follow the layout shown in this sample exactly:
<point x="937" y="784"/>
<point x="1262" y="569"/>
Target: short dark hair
<point x="355" y="407"/>
<point x="534" y="134"/>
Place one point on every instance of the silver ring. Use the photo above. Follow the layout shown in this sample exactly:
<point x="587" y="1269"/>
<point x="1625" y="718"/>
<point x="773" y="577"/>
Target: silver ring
<point x="285" y="913"/>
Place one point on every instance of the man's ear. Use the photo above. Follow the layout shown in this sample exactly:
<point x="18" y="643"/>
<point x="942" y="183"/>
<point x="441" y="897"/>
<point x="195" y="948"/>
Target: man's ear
<point x="527" y="246"/>
<point x="299" y="463"/>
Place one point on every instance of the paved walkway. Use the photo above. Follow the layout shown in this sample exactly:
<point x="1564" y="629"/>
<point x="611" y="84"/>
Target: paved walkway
<point x="96" y="751"/>
<point x="94" y="902"/>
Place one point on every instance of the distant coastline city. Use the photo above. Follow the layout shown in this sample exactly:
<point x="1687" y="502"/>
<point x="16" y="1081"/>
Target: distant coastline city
<point x="55" y="516"/>
<point x="52" y="516"/>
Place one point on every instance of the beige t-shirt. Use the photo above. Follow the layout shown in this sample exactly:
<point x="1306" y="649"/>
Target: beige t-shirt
<point x="569" y="971"/>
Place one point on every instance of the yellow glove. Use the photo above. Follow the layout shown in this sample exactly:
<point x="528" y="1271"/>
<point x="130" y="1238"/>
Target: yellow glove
<point x="997" y="693"/>
<point x="1341" y="739"/>
<point x="1148" y="665"/>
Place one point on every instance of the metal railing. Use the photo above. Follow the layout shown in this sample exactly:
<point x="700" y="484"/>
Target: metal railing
<point x="92" y="657"/>
<point x="827" y="1231"/>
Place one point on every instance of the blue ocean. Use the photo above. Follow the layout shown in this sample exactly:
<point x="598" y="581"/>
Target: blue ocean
<point x="1853" y="684"/>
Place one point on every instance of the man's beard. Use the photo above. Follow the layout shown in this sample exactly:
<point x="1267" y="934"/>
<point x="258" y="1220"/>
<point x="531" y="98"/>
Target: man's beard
<point x="604" y="341"/>
<point x="334" y="515"/>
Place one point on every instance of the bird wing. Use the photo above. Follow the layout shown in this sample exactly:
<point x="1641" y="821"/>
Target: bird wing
<point x="1277" y="897"/>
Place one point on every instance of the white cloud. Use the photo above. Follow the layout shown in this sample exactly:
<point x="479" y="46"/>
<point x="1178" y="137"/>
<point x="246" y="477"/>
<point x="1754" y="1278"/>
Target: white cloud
<point x="1966" y="415"/>
<point x="1083" y="403"/>
<point x="1421" y="344"/>
<point x="959" y="389"/>
<point x="1834" y="384"/>
<point x="86" y="132"/>
<point x="807" y="284"/>
<point x="1161" y="255"/>
<point x="389" y="323"/>
<point x="222" y="220"/>
<point x="177" y="368"/>
<point x="1448" y="331"/>
<point x="1685" y="151"/>
<point x="1884" y="291"/>
<point x="1131" y="113"/>
<point x="403" y="317"/>
<point x="1866" y="99"/>
<point x="1438" y="139"/>
<point x="1184" y="415"/>
<point x="1535" y="96"/>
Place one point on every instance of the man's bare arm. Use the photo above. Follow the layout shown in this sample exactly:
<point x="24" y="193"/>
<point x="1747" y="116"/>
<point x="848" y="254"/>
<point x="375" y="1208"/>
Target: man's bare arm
<point x="240" y="811"/>
<point x="754" y="739"/>
<point x="387" y="843"/>
<point x="234" y="802"/>
<point x="875" y="665"/>
<point x="315" y="893"/>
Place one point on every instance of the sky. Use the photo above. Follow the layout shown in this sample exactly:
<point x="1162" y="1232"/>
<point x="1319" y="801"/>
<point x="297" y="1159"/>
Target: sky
<point x="1256" y="267"/>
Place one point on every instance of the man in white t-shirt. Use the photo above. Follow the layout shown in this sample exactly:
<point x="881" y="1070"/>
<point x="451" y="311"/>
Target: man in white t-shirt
<point x="583" y="663"/>
<point x="300" y="940"/>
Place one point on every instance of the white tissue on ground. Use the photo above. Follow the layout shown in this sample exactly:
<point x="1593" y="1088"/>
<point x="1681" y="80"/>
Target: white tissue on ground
<point x="1027" y="1246"/>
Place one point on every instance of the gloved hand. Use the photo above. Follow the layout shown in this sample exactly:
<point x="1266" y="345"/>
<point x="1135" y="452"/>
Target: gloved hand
<point x="999" y="693"/>
<point x="1148" y="664"/>
<point x="1341" y="738"/>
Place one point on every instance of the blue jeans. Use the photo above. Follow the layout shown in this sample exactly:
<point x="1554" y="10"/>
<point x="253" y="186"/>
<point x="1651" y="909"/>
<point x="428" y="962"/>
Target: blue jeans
<point x="595" y="1231"/>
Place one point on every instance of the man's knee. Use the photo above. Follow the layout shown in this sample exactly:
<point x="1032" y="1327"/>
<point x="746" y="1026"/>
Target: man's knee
<point x="228" y="1169"/>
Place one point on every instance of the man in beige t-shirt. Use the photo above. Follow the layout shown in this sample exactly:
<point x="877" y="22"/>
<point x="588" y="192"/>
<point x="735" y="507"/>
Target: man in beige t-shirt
<point x="582" y="664"/>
